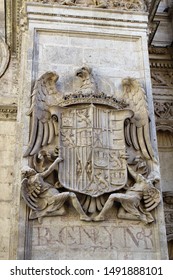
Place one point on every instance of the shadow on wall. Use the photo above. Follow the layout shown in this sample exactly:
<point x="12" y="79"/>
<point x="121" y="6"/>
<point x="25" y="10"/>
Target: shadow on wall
<point x="170" y="249"/>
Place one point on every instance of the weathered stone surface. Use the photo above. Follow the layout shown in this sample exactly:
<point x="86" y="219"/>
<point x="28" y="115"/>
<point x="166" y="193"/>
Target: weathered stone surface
<point x="115" y="46"/>
<point x="7" y="154"/>
<point x="66" y="239"/>
<point x="107" y="61"/>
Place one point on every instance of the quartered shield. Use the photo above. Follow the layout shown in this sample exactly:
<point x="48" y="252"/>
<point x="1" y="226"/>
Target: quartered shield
<point x="93" y="149"/>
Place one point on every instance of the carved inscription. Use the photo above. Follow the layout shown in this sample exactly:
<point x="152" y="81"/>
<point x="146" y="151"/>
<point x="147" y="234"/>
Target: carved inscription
<point x="67" y="237"/>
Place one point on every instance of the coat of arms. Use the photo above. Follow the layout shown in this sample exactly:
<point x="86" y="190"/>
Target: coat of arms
<point x="90" y="148"/>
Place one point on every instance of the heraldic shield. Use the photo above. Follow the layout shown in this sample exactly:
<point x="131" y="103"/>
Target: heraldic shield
<point x="92" y="146"/>
<point x="78" y="149"/>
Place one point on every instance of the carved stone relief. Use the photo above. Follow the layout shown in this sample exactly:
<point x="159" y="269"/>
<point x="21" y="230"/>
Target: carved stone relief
<point x="162" y="78"/>
<point x="164" y="115"/>
<point x="168" y="210"/>
<point x="90" y="149"/>
<point x="135" y="5"/>
<point x="161" y="65"/>
<point x="163" y="109"/>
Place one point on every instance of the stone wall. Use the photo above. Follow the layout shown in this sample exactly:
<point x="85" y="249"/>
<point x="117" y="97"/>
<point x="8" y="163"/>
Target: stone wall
<point x="7" y="147"/>
<point x="2" y="18"/>
<point x="62" y="39"/>
<point x="9" y="198"/>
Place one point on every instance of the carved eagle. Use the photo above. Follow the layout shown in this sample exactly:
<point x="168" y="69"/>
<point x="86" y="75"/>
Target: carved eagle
<point x="43" y="125"/>
<point x="87" y="85"/>
<point x="137" y="129"/>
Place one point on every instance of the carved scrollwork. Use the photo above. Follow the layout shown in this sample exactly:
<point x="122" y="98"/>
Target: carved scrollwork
<point x="164" y="118"/>
<point x="169" y="218"/>
<point x="162" y="79"/>
<point x="135" y="5"/>
<point x="163" y="109"/>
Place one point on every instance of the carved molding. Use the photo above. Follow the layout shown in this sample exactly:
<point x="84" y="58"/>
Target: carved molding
<point x="12" y="23"/>
<point x="16" y="18"/>
<point x="160" y="50"/>
<point x="160" y="65"/>
<point x="8" y="112"/>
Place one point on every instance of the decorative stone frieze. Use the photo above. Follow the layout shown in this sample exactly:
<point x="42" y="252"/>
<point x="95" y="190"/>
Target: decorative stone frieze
<point x="160" y="50"/>
<point x="161" y="65"/>
<point x="16" y="18"/>
<point x="8" y="112"/>
<point x="135" y="5"/>
<point x="162" y="78"/>
<point x="168" y="209"/>
<point x="164" y="109"/>
<point x="164" y="115"/>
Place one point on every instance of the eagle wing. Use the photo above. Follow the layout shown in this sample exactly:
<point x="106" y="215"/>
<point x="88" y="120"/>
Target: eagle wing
<point x="137" y="129"/>
<point x="30" y="194"/>
<point x="43" y="126"/>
